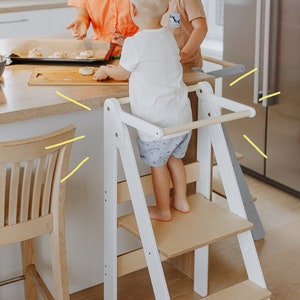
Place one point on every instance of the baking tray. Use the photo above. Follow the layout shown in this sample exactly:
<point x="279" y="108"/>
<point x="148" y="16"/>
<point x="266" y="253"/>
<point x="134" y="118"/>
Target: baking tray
<point x="102" y="51"/>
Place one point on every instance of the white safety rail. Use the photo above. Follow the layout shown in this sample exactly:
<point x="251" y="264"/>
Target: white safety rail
<point x="210" y="135"/>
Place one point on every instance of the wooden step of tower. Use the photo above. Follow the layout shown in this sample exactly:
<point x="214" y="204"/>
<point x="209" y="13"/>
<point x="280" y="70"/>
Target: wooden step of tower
<point x="205" y="224"/>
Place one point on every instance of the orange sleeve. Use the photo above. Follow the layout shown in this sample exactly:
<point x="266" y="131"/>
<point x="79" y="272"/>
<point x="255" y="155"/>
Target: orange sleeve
<point x="76" y="3"/>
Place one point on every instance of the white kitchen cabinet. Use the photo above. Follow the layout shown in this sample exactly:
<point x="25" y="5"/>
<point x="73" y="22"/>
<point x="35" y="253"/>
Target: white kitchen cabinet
<point x="22" y="24"/>
<point x="59" y="19"/>
<point x="35" y="23"/>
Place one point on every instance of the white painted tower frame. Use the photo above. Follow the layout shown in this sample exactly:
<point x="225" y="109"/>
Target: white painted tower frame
<point x="210" y="135"/>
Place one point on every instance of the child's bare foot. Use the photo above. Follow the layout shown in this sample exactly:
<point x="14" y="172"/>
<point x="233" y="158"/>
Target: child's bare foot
<point x="180" y="205"/>
<point x="159" y="215"/>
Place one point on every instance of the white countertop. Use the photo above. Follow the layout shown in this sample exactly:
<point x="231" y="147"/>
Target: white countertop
<point x="23" y="5"/>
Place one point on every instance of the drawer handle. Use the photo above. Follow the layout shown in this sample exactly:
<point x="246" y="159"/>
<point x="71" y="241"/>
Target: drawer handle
<point x="14" y="21"/>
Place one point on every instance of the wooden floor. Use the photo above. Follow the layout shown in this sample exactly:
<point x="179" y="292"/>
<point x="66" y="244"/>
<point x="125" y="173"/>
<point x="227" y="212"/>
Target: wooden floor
<point x="279" y="253"/>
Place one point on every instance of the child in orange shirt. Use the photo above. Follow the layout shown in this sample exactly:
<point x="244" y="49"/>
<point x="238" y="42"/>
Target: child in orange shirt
<point x="110" y="19"/>
<point x="187" y="20"/>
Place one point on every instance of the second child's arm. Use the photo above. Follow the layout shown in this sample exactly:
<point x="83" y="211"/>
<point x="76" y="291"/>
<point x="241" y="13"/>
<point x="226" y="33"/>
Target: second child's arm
<point x="111" y="71"/>
<point x="195" y="40"/>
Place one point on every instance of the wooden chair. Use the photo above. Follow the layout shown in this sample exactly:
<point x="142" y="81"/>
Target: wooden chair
<point x="32" y="201"/>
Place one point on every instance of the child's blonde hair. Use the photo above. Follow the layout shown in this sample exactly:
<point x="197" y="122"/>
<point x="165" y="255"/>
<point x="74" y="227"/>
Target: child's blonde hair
<point x="151" y="8"/>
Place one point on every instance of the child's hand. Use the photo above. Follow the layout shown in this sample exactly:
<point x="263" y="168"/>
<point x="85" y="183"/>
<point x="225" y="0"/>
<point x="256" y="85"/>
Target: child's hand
<point x="101" y="73"/>
<point x="79" y="29"/>
<point x="118" y="38"/>
<point x="111" y="71"/>
<point x="184" y="57"/>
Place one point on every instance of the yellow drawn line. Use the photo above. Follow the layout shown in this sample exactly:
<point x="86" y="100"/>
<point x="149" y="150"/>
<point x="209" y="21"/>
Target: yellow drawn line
<point x="72" y="100"/>
<point x="71" y="173"/>
<point x="65" y="142"/>
<point x="259" y="151"/>
<point x="243" y="76"/>
<point x="268" y="96"/>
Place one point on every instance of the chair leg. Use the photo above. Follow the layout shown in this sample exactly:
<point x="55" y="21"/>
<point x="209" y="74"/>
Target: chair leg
<point x="43" y="289"/>
<point x="59" y="260"/>
<point x="27" y="251"/>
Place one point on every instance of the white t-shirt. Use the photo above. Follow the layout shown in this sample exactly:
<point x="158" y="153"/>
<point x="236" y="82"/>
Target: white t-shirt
<point x="156" y="89"/>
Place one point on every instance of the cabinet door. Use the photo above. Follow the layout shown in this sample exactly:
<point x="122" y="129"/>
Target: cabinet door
<point x="35" y="23"/>
<point x="23" y="24"/>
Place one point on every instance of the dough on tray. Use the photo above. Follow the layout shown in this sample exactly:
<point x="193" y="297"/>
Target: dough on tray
<point x="86" y="54"/>
<point x="86" y="70"/>
<point x="59" y="54"/>
<point x="35" y="52"/>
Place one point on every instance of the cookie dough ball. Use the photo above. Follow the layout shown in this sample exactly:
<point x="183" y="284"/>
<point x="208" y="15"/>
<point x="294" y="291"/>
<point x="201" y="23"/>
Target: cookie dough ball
<point x="35" y="52"/>
<point x="87" y="70"/>
<point x="86" y="54"/>
<point x="59" y="54"/>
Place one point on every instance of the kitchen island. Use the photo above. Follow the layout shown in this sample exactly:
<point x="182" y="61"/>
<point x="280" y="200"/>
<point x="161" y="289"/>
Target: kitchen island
<point x="30" y="110"/>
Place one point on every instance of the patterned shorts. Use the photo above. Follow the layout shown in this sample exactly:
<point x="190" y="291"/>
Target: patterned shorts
<point x="156" y="153"/>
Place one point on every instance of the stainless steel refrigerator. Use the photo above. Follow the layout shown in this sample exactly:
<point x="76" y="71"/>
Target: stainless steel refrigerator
<point x="266" y="34"/>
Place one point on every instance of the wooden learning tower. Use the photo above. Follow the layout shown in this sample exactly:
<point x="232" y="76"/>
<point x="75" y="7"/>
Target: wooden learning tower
<point x="207" y="222"/>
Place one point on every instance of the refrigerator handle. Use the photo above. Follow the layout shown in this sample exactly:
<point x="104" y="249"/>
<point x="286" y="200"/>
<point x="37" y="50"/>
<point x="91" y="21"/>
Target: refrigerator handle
<point x="257" y="50"/>
<point x="266" y="46"/>
<point x="266" y="51"/>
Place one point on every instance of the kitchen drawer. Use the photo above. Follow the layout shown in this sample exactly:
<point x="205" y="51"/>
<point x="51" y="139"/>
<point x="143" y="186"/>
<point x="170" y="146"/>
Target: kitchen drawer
<point x="35" y="23"/>
<point x="23" y="24"/>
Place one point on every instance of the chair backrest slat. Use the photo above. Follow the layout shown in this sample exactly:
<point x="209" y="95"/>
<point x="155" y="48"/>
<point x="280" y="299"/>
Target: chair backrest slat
<point x="48" y="183"/>
<point x="25" y="192"/>
<point x="2" y="193"/>
<point x="13" y="194"/>
<point x="37" y="188"/>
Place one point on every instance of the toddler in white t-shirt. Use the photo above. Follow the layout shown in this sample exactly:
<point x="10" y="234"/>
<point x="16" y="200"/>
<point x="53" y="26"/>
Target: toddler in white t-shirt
<point x="150" y="60"/>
